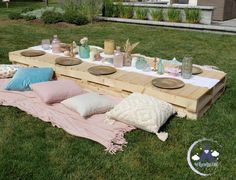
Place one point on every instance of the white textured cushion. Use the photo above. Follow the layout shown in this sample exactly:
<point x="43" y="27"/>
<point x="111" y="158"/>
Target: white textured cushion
<point x="7" y="70"/>
<point x="89" y="104"/>
<point x="142" y="111"/>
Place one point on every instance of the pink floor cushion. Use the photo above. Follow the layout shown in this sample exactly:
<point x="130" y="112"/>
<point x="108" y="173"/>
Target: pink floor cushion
<point x="56" y="91"/>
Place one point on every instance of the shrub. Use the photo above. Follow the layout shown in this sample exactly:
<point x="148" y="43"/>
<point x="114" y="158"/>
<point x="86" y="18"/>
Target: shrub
<point x="126" y="12"/>
<point x="192" y="15"/>
<point x="90" y="8"/>
<point x="15" y="16"/>
<point x="27" y="9"/>
<point x="29" y="18"/>
<point x="71" y="7"/>
<point x="142" y="13"/>
<point x="157" y="15"/>
<point x="73" y="12"/>
<point x="81" y="12"/>
<point x="174" y="15"/>
<point x="51" y="17"/>
<point x="117" y="9"/>
<point x="39" y="12"/>
<point x="107" y="10"/>
<point x="75" y="18"/>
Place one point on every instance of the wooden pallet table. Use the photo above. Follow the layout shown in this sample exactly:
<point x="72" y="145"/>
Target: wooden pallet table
<point x="190" y="101"/>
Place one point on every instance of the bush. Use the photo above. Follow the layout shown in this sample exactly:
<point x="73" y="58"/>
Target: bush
<point x="126" y="12"/>
<point x="15" y="16"/>
<point x="73" y="13"/>
<point x="90" y="8"/>
<point x="157" y="15"/>
<point x="75" y="18"/>
<point x="27" y="9"/>
<point x="117" y="9"/>
<point x="108" y="7"/>
<point x="174" y="15"/>
<point x="39" y="12"/>
<point x="29" y="18"/>
<point x="142" y="14"/>
<point x="192" y="15"/>
<point x="51" y="17"/>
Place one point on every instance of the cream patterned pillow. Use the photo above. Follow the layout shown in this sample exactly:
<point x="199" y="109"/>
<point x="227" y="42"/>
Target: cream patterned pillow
<point x="7" y="70"/>
<point x="144" y="112"/>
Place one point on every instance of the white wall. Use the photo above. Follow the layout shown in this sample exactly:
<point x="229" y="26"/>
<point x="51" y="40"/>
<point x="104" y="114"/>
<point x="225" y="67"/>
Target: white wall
<point x="193" y="2"/>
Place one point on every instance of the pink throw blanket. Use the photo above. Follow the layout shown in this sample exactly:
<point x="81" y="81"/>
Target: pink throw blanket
<point x="94" y="128"/>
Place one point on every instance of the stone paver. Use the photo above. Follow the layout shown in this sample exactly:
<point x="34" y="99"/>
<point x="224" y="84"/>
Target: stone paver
<point x="229" y="23"/>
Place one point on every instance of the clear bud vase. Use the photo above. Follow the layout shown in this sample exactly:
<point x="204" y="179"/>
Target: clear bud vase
<point x="187" y="68"/>
<point x="118" y="58"/>
<point x="160" y="67"/>
<point x="56" y="47"/>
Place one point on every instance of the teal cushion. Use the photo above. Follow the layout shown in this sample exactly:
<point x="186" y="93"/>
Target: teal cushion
<point x="24" y="77"/>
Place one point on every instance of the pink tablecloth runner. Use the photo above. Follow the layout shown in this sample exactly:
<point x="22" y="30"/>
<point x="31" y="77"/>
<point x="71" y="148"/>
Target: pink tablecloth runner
<point x="94" y="128"/>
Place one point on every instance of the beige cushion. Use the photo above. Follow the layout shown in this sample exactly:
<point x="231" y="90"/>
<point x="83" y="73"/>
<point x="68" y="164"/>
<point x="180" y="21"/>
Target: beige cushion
<point x="89" y="104"/>
<point x="7" y="70"/>
<point x="142" y="111"/>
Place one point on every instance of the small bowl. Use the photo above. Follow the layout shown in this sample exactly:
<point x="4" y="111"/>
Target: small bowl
<point x="173" y="71"/>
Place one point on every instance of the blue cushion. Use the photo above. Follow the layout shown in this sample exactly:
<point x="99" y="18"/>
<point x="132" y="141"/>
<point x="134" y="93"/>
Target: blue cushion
<point x="25" y="76"/>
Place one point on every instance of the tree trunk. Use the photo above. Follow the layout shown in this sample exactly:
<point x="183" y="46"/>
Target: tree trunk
<point x="46" y="1"/>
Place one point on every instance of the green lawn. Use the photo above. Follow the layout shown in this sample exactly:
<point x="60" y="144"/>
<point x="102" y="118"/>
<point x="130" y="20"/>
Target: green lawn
<point x="32" y="149"/>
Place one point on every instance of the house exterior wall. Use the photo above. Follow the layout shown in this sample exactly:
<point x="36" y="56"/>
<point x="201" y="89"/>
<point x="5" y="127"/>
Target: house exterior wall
<point x="224" y="9"/>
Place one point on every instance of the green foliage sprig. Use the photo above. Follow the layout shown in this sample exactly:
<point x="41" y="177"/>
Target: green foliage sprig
<point x="142" y="13"/>
<point x="174" y="15"/>
<point x="157" y="15"/>
<point x="192" y="15"/>
<point x="126" y="12"/>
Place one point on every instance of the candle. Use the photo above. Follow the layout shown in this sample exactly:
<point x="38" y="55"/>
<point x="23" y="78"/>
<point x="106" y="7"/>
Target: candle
<point x="109" y="46"/>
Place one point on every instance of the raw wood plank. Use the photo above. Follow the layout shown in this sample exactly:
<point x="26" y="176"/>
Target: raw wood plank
<point x="190" y="101"/>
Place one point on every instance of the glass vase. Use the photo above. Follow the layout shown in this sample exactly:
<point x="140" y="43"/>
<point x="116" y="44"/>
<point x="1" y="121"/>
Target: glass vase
<point x="84" y="51"/>
<point x="187" y="68"/>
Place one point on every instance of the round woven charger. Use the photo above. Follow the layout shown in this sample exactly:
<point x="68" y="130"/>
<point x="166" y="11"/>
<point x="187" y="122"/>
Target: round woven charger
<point x="168" y="83"/>
<point x="68" y="61"/>
<point x="101" y="70"/>
<point x="32" y="53"/>
<point x="195" y="70"/>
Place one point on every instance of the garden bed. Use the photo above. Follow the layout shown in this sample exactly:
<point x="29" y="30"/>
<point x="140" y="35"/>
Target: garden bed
<point x="178" y="13"/>
<point x="207" y="27"/>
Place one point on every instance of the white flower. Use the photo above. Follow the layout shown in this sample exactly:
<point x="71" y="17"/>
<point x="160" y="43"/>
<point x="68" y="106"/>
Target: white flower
<point x="84" y="41"/>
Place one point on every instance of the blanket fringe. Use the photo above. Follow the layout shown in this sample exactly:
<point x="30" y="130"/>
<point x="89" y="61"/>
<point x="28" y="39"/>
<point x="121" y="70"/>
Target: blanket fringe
<point x="119" y="141"/>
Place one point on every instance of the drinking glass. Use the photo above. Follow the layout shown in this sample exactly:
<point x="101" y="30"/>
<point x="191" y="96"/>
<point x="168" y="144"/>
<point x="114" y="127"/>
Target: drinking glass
<point x="46" y="44"/>
<point x="187" y="67"/>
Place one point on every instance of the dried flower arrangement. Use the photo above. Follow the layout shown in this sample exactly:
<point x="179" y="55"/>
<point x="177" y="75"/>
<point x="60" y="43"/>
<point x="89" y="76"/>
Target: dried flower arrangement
<point x="128" y="48"/>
